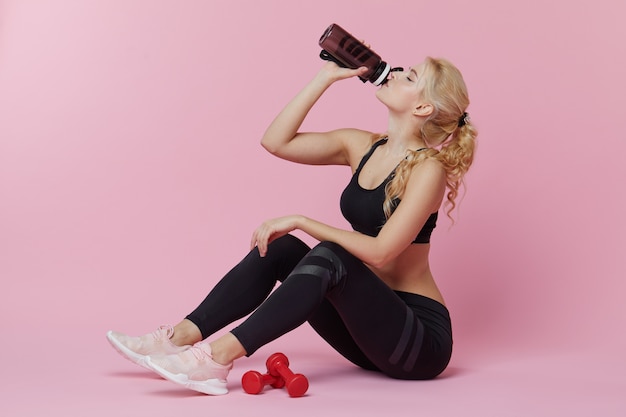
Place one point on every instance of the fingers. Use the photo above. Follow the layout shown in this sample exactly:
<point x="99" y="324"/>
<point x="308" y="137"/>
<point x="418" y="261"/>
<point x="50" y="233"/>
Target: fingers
<point x="350" y="73"/>
<point x="335" y="72"/>
<point x="360" y="71"/>
<point x="269" y="231"/>
<point x="344" y="73"/>
<point x="259" y="239"/>
<point x="252" y="241"/>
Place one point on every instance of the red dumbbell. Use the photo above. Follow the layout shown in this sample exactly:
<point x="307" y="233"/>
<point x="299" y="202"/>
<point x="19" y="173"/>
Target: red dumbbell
<point x="253" y="382"/>
<point x="278" y="366"/>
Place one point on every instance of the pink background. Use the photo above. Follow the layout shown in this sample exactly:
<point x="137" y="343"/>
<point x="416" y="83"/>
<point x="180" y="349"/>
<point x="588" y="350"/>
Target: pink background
<point x="131" y="178"/>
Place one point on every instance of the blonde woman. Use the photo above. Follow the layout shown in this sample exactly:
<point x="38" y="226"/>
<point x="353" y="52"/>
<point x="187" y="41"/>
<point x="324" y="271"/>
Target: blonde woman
<point x="369" y="292"/>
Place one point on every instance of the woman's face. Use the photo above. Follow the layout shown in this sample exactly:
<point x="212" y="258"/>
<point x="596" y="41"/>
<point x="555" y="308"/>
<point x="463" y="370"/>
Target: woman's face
<point x="403" y="90"/>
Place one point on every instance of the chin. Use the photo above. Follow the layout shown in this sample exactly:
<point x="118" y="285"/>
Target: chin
<point x="380" y="95"/>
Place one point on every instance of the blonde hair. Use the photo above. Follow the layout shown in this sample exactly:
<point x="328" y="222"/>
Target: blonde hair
<point x="447" y="129"/>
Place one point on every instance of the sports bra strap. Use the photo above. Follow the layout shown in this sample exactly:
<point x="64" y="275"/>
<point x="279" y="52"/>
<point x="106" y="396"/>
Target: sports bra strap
<point x="369" y="153"/>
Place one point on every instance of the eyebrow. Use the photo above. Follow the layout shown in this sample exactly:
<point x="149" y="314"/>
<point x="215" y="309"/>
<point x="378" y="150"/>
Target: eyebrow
<point x="414" y="72"/>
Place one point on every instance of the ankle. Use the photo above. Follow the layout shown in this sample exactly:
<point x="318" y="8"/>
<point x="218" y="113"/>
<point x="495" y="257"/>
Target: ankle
<point x="186" y="333"/>
<point x="221" y="358"/>
<point x="226" y="349"/>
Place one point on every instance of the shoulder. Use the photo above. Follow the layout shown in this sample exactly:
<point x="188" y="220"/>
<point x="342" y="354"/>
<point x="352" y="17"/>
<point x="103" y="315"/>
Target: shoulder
<point x="355" y="136"/>
<point x="430" y="166"/>
<point x="429" y="176"/>
<point x="357" y="143"/>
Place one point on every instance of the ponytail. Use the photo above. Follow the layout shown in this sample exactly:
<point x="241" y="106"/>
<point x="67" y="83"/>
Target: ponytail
<point x="457" y="156"/>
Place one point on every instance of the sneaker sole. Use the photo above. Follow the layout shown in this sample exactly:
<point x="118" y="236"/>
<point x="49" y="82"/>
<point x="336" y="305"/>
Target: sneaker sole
<point x="209" y="386"/>
<point x="134" y="357"/>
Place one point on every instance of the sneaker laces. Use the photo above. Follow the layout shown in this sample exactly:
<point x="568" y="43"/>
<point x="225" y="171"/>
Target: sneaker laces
<point x="198" y="353"/>
<point x="169" y="330"/>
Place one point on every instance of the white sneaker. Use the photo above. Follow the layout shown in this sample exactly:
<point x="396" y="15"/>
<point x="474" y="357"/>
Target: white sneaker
<point x="193" y="368"/>
<point x="137" y="349"/>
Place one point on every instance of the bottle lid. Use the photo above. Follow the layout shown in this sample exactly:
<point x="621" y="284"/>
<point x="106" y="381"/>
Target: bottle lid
<point x="383" y="75"/>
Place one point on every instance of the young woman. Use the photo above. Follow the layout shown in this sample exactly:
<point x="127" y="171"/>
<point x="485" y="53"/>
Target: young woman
<point x="368" y="292"/>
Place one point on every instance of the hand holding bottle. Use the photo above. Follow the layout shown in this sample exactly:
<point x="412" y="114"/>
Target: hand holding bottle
<point x="332" y="72"/>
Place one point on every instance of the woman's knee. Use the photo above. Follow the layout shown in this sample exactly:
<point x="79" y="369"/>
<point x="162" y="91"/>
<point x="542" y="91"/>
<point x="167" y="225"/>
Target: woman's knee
<point x="326" y="257"/>
<point x="286" y="247"/>
<point x="284" y="254"/>
<point x="288" y="244"/>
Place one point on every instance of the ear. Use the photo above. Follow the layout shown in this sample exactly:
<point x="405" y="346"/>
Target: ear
<point x="423" y="110"/>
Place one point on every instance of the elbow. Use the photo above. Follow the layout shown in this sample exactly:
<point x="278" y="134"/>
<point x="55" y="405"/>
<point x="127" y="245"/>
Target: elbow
<point x="381" y="255"/>
<point x="267" y="145"/>
<point x="379" y="261"/>
<point x="272" y="146"/>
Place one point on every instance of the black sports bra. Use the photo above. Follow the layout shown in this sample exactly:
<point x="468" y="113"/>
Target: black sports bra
<point x="363" y="208"/>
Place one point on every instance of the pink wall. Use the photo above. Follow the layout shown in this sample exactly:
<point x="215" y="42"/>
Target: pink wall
<point x="131" y="176"/>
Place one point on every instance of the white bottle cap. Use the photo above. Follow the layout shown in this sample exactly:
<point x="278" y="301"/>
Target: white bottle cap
<point x="383" y="75"/>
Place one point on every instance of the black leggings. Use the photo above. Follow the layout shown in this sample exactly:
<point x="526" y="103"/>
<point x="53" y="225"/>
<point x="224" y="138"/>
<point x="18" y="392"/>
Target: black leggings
<point x="402" y="335"/>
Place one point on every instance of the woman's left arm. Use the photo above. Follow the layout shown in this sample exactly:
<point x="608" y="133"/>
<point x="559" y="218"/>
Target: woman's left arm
<point x="423" y="195"/>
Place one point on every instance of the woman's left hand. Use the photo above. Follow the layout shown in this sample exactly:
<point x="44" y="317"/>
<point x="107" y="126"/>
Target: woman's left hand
<point x="271" y="230"/>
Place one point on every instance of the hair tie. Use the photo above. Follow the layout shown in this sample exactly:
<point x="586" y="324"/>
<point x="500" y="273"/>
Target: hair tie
<point x="463" y="120"/>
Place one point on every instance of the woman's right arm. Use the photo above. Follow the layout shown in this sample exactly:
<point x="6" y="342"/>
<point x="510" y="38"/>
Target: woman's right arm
<point x="283" y="139"/>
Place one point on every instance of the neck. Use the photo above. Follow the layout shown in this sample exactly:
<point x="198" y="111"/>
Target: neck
<point x="401" y="136"/>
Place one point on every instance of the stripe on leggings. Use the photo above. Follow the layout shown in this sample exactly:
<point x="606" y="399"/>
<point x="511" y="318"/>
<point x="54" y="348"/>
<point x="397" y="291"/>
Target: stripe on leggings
<point x="415" y="350"/>
<point x="310" y="269"/>
<point x="404" y="338"/>
<point x="324" y="253"/>
<point x="403" y="343"/>
<point x="332" y="265"/>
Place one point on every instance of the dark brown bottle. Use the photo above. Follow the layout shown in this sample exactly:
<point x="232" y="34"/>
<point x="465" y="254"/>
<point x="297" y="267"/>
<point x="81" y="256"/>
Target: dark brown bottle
<point x="347" y="51"/>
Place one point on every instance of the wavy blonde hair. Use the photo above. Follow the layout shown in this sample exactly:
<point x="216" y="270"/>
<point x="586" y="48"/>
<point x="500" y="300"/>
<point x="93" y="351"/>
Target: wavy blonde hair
<point x="451" y="144"/>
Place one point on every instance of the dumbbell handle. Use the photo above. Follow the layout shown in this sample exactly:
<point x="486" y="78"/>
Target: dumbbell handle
<point x="253" y="382"/>
<point x="278" y="366"/>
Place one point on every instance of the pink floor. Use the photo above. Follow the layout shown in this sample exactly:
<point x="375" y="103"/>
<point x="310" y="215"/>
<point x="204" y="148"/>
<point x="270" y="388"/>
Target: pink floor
<point x="83" y="376"/>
